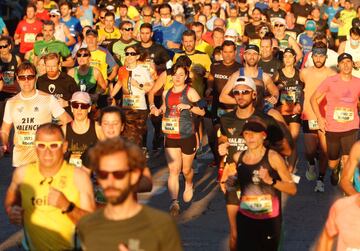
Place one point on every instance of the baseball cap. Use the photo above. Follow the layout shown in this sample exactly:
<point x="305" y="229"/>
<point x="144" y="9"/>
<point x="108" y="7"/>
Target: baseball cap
<point x="92" y="32"/>
<point x="252" y="47"/>
<point x="278" y="20"/>
<point x="254" y="125"/>
<point x="55" y="12"/>
<point x="247" y="81"/>
<point x="231" y="33"/>
<point x="310" y="25"/>
<point x="290" y="50"/>
<point x="81" y="97"/>
<point x="343" y="56"/>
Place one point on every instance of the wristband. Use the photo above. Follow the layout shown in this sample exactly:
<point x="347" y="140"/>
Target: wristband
<point x="69" y="209"/>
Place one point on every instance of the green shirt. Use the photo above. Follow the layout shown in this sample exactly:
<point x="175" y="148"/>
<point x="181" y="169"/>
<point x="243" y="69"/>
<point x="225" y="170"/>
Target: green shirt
<point x="118" y="50"/>
<point x="43" y="47"/>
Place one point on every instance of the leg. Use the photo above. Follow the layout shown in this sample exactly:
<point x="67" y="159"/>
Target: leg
<point x="173" y="157"/>
<point x="294" y="131"/>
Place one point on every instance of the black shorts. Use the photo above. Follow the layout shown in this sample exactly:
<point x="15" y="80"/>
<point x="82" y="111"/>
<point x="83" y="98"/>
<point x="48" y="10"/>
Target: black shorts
<point x="342" y="38"/>
<point x="187" y="145"/>
<point x="306" y="129"/>
<point x="340" y="143"/>
<point x="295" y="118"/>
<point x="231" y="198"/>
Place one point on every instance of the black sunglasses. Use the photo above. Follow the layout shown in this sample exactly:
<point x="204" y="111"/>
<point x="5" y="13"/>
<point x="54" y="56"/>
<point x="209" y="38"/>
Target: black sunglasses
<point x="53" y="15"/>
<point x="82" y="106"/>
<point x="243" y="92"/>
<point x="4" y="46"/>
<point x="79" y="55"/>
<point x="130" y="54"/>
<point x="279" y="25"/>
<point x="26" y="77"/>
<point x="102" y="17"/>
<point x="117" y="174"/>
<point x="128" y="29"/>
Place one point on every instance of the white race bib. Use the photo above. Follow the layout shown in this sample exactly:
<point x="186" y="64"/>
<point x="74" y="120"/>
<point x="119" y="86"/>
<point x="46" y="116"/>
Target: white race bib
<point x="313" y="124"/>
<point x="30" y="38"/>
<point x="131" y="101"/>
<point x="170" y="125"/>
<point x="301" y="20"/>
<point x="343" y="114"/>
<point x="257" y="203"/>
<point x="26" y="138"/>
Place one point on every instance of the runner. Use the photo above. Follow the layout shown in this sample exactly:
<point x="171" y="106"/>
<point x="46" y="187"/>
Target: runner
<point x="341" y="120"/>
<point x="50" y="196"/>
<point x="268" y="63"/>
<point x="126" y="39"/>
<point x="62" y="32"/>
<point x="350" y="176"/>
<point x="352" y="47"/>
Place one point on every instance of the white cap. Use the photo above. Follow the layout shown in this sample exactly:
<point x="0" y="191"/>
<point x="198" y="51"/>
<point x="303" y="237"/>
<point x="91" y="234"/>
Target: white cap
<point x="278" y="20"/>
<point x="231" y="33"/>
<point x="244" y="80"/>
<point x="55" y="12"/>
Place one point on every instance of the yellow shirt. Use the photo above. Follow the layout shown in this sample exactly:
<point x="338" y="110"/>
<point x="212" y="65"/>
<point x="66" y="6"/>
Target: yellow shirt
<point x="46" y="228"/>
<point x="132" y="12"/>
<point x="204" y="47"/>
<point x="104" y="35"/>
<point x="98" y="60"/>
<point x="237" y="25"/>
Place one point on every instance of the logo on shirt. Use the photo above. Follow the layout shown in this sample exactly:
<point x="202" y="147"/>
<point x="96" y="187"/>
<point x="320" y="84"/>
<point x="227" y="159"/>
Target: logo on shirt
<point x="232" y="130"/>
<point x="51" y="88"/>
<point x="20" y="109"/>
<point x="36" y="109"/>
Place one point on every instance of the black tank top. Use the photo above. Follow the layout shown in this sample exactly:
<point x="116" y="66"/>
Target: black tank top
<point x="291" y="89"/>
<point x="7" y="70"/>
<point x="258" y="200"/>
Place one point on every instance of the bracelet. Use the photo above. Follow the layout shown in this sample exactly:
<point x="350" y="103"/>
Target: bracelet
<point x="69" y="209"/>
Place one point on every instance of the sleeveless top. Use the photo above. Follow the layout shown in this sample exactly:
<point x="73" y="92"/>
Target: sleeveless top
<point x="78" y="143"/>
<point x="260" y="86"/>
<point x="43" y="223"/>
<point x="290" y="88"/>
<point x="87" y="83"/>
<point x="258" y="200"/>
<point x="87" y="18"/>
<point x="7" y="70"/>
<point x="176" y="124"/>
<point x="284" y="43"/>
<point x="59" y="32"/>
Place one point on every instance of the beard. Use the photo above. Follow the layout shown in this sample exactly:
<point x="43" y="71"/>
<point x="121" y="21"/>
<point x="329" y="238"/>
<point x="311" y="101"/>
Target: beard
<point x="319" y="64"/>
<point x="245" y="105"/>
<point x="117" y="200"/>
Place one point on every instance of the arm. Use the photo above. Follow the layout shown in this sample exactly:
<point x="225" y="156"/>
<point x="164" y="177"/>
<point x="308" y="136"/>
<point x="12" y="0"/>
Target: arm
<point x="5" y="131"/>
<point x="341" y="48"/>
<point x="272" y="88"/>
<point x="99" y="79"/>
<point x="347" y="175"/>
<point x="13" y="197"/>
<point x="315" y="100"/>
<point x="117" y="87"/>
<point x="71" y="72"/>
<point x="145" y="183"/>
<point x="99" y="132"/>
<point x="64" y="118"/>
<point x="5" y="32"/>
<point x="71" y="39"/>
<point x="67" y="62"/>
<point x="194" y="97"/>
<point x="325" y="241"/>
<point x="210" y="85"/>
<point x="113" y="73"/>
<point x="225" y="93"/>
<point x="293" y="44"/>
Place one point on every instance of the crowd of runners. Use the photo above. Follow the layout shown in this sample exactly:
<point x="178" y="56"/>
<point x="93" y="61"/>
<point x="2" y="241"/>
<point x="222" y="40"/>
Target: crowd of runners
<point x="80" y="81"/>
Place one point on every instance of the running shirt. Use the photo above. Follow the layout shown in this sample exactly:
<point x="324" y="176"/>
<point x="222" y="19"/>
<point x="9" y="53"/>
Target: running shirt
<point x="102" y="59"/>
<point x="2" y="25"/>
<point x="42" y="16"/>
<point x="270" y="67"/>
<point x="163" y="34"/>
<point x="27" y="32"/>
<point x="177" y="124"/>
<point x="341" y="107"/>
<point x="236" y="25"/>
<point x="45" y="47"/>
<point x="301" y="12"/>
<point x="331" y="12"/>
<point x="258" y="200"/>
<point x="284" y="42"/>
<point x="73" y="24"/>
<point x="158" y="54"/>
<point x="86" y="83"/>
<point x="204" y="47"/>
<point x="306" y="42"/>
<point x="87" y="18"/>
<point x="59" y="33"/>
<point x="27" y="114"/>
<point x="355" y="53"/>
<point x="7" y="70"/>
<point x="346" y="16"/>
<point x="44" y="224"/>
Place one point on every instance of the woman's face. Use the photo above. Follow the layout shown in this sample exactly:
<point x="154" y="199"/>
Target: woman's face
<point x="131" y="56"/>
<point x="179" y="76"/>
<point x="254" y="139"/>
<point x="288" y="59"/>
<point x="83" y="57"/>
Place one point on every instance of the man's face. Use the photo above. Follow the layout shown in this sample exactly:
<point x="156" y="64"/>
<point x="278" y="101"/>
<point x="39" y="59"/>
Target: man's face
<point x="246" y="98"/>
<point x="147" y="16"/>
<point x="345" y="66"/>
<point x="26" y="85"/>
<point x="145" y="35"/>
<point x="315" y="14"/>
<point x="39" y="5"/>
<point x="52" y="68"/>
<point x="52" y="155"/>
<point x="123" y="12"/>
<point x="256" y="15"/>
<point x="233" y="13"/>
<point x="111" y="125"/>
<point x="48" y="31"/>
<point x="251" y="58"/>
<point x="116" y="189"/>
<point x="275" y="5"/>
<point x="319" y="60"/>
<point x="347" y="5"/>
<point x="198" y="32"/>
<point x="65" y="11"/>
<point x="218" y="38"/>
<point x="165" y="13"/>
<point x="189" y="43"/>
<point x="218" y="23"/>
<point x="91" y="41"/>
<point x="109" y="22"/>
<point x="207" y="10"/>
<point x="30" y="13"/>
<point x="126" y="31"/>
<point x="228" y="54"/>
<point x="266" y="49"/>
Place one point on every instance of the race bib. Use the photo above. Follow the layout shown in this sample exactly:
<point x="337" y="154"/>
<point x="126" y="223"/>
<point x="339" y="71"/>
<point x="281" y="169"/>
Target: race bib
<point x="30" y="38"/>
<point x="301" y="20"/>
<point x="313" y="124"/>
<point x="257" y="203"/>
<point x="170" y="125"/>
<point x="287" y="96"/>
<point x="342" y="114"/>
<point x="26" y="138"/>
<point x="75" y="159"/>
<point x="8" y="77"/>
<point x="131" y="101"/>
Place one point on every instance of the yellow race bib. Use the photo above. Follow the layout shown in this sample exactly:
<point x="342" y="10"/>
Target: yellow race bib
<point x="170" y="125"/>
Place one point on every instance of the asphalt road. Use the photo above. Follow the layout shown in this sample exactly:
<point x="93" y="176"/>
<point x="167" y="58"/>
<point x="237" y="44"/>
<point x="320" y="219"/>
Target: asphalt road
<point x="203" y="223"/>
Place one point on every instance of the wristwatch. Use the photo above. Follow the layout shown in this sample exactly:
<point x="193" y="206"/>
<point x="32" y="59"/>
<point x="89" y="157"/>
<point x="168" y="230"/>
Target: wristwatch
<point x="69" y="209"/>
<point x="141" y="85"/>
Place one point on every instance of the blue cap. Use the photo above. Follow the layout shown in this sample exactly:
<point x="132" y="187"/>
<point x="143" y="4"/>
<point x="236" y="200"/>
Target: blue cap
<point x="310" y="25"/>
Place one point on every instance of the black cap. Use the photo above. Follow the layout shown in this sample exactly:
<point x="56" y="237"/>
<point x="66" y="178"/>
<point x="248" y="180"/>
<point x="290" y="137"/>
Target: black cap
<point x="290" y="50"/>
<point x="91" y="32"/>
<point x="255" y="125"/>
<point x="343" y="56"/>
<point x="252" y="47"/>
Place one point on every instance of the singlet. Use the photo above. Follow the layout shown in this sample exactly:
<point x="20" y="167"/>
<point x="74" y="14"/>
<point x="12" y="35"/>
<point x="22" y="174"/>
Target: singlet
<point x="176" y="124"/>
<point x="59" y="32"/>
<point x="260" y="86"/>
<point x="168" y="83"/>
<point x="290" y="88"/>
<point x="78" y="143"/>
<point x="357" y="179"/>
<point x="44" y="224"/>
<point x="27" y="114"/>
<point x="284" y="42"/>
<point x="7" y="70"/>
<point x="258" y="200"/>
<point x="87" y="83"/>
<point x="87" y="18"/>
<point x="355" y="53"/>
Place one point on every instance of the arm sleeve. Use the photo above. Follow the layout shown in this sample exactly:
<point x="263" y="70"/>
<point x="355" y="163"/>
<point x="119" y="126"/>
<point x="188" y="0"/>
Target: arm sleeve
<point x="55" y="107"/>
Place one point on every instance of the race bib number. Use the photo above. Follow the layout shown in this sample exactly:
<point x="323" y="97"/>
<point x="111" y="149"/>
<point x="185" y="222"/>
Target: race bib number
<point x="342" y="114"/>
<point x="30" y="38"/>
<point x="75" y="159"/>
<point x="170" y="125"/>
<point x="257" y="203"/>
<point x="26" y="138"/>
<point x="301" y="20"/>
<point x="288" y="96"/>
<point x="131" y="101"/>
<point x="313" y="124"/>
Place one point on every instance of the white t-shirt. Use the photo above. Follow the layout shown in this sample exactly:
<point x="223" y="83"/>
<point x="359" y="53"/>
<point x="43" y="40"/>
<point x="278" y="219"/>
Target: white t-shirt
<point x="331" y="60"/>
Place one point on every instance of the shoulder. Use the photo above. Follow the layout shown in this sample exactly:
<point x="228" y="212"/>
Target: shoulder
<point x="157" y="216"/>
<point x="88" y="220"/>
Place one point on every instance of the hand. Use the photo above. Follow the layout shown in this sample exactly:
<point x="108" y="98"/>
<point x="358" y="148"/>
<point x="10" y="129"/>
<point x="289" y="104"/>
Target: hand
<point x="272" y="100"/>
<point x="122" y="247"/>
<point x="182" y="106"/>
<point x="322" y="124"/>
<point x="16" y="215"/>
<point x="297" y="109"/>
<point x="208" y="92"/>
<point x="223" y="148"/>
<point x="265" y="176"/>
<point x="357" y="64"/>
<point x="171" y="45"/>
<point x="57" y="199"/>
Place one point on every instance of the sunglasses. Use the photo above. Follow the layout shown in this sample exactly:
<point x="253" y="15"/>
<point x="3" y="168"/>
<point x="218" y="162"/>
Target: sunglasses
<point x="130" y="54"/>
<point x="26" y="77"/>
<point x="4" y="46"/>
<point x="82" y="55"/>
<point x="103" y="175"/>
<point x="53" y="15"/>
<point x="242" y="92"/>
<point x="128" y="29"/>
<point x="279" y="25"/>
<point x="52" y="145"/>
<point x="102" y="17"/>
<point x="82" y="106"/>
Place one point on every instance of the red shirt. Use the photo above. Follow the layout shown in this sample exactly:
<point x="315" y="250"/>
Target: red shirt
<point x="43" y="15"/>
<point x="27" y="34"/>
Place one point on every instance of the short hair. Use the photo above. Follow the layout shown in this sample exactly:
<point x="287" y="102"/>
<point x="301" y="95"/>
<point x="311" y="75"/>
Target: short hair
<point x="51" y="56"/>
<point x="257" y="8"/>
<point x="177" y="66"/>
<point x="124" y="6"/>
<point x="109" y="14"/>
<point x="319" y="36"/>
<point x="189" y="33"/>
<point x="63" y="3"/>
<point x="185" y="60"/>
<point x="112" y="109"/>
<point x="133" y="46"/>
<point x="319" y="45"/>
<point x="48" y="23"/>
<point x="228" y="43"/>
<point x="218" y="49"/>
<point x="125" y="22"/>
<point x="50" y="128"/>
<point x="146" y="26"/>
<point x="165" y="6"/>
<point x="198" y="24"/>
<point x="218" y="29"/>
<point x="135" y="155"/>
<point x="268" y="36"/>
<point x="355" y="31"/>
<point x="24" y="66"/>
<point x="147" y="7"/>
<point x="84" y="50"/>
<point x="8" y="40"/>
<point x="30" y="5"/>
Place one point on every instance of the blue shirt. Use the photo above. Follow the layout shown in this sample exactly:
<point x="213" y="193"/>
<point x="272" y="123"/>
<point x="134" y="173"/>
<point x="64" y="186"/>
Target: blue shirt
<point x="73" y="24"/>
<point x="306" y="43"/>
<point x="2" y="25"/>
<point x="331" y="12"/>
<point x="172" y="33"/>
